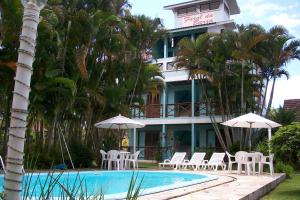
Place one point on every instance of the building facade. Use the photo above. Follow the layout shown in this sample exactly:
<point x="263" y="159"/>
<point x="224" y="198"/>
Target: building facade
<point x="177" y="118"/>
<point x="293" y="105"/>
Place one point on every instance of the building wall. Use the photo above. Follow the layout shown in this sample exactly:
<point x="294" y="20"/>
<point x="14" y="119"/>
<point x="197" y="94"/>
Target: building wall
<point x="293" y="105"/>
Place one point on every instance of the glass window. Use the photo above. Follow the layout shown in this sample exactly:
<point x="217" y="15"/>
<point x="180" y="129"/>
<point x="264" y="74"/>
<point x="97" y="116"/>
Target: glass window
<point x="181" y="11"/>
<point x="204" y="7"/>
<point x="191" y="10"/>
<point x="214" y="5"/>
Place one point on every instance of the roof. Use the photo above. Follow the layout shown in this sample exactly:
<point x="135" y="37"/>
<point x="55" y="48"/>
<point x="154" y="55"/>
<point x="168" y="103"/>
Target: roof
<point x="293" y="105"/>
<point x="233" y="6"/>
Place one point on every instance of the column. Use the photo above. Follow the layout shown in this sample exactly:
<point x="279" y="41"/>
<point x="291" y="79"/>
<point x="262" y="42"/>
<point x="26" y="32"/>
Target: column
<point x="193" y="116"/>
<point x="163" y="141"/>
<point x="164" y="101"/>
<point x="193" y="98"/>
<point x="134" y="140"/>
<point x="165" y="47"/>
<point x="193" y="138"/>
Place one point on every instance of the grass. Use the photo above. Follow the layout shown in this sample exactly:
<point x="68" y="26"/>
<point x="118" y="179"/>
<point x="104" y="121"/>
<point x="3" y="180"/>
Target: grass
<point x="148" y="165"/>
<point x="288" y="190"/>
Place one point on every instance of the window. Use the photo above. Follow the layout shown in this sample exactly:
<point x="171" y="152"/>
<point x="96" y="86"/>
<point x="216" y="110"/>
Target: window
<point x="204" y="7"/>
<point x="210" y="6"/>
<point x="181" y="11"/>
<point x="191" y="10"/>
<point x="214" y="5"/>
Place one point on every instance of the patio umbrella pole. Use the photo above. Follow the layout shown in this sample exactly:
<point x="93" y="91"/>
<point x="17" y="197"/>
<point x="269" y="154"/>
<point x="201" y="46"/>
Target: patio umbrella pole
<point x="250" y="136"/>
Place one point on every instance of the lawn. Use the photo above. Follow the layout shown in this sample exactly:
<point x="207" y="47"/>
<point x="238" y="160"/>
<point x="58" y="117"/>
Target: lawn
<point x="288" y="190"/>
<point x="148" y="165"/>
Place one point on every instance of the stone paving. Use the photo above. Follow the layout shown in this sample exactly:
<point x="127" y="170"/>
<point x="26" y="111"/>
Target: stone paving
<point x="229" y="186"/>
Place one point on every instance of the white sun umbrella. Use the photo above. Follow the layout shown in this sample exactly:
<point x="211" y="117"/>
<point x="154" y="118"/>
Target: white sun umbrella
<point x="120" y="122"/>
<point x="251" y="120"/>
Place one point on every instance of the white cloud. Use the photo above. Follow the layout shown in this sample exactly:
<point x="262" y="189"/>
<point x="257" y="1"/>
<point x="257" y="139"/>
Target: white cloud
<point x="285" y="89"/>
<point x="259" y="8"/>
<point x="289" y="21"/>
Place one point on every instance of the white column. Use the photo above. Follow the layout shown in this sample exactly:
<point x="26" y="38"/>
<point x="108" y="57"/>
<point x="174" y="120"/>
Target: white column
<point x="269" y="137"/>
<point x="165" y="47"/>
<point x="134" y="140"/>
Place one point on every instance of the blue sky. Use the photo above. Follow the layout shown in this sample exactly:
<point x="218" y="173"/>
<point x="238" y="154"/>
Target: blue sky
<point x="265" y="12"/>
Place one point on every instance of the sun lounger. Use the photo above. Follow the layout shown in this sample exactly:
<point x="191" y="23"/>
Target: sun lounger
<point x="196" y="160"/>
<point x="175" y="162"/>
<point x="216" y="160"/>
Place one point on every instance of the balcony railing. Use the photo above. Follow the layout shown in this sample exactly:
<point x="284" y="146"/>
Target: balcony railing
<point x="174" y="110"/>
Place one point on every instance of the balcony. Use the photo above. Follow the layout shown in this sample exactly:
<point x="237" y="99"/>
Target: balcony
<point x="184" y="109"/>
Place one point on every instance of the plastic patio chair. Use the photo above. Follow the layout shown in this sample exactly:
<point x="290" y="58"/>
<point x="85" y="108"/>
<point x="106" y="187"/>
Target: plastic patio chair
<point x="113" y="158"/>
<point x="242" y="158"/>
<point x="266" y="160"/>
<point x="104" y="158"/>
<point x="231" y="160"/>
<point x="175" y="161"/>
<point x="133" y="158"/>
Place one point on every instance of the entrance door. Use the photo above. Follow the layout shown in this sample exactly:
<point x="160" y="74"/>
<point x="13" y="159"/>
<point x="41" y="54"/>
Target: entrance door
<point x="153" y="105"/>
<point x="151" y="144"/>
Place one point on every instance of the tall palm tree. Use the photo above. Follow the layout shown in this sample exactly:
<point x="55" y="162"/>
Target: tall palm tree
<point x="18" y="123"/>
<point x="282" y="49"/>
<point x="195" y="57"/>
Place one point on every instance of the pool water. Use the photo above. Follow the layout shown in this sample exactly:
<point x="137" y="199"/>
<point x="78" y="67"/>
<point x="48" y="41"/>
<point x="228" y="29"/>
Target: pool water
<point x="113" y="184"/>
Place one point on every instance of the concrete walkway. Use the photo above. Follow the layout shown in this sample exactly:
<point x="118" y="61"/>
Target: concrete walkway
<point x="227" y="187"/>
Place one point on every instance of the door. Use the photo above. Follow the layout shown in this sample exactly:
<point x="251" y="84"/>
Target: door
<point x="151" y="144"/>
<point x="153" y="105"/>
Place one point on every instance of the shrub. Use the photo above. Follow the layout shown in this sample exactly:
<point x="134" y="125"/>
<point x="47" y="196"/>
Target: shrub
<point x="263" y="147"/>
<point x="286" y="143"/>
<point x="280" y="167"/>
<point x="82" y="155"/>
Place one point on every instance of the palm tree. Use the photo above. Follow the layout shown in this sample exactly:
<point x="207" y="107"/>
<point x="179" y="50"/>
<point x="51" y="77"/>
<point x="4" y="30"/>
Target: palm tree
<point x="18" y="123"/>
<point x="282" y="49"/>
<point x="195" y="56"/>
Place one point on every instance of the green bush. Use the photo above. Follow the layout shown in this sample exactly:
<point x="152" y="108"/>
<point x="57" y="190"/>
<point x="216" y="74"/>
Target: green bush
<point x="280" y="167"/>
<point x="263" y="147"/>
<point x="286" y="144"/>
<point x="82" y="155"/>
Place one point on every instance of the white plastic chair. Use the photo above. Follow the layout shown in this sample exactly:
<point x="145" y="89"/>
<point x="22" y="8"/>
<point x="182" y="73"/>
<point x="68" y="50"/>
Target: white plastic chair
<point x="133" y="158"/>
<point x="113" y="158"/>
<point x="216" y="160"/>
<point x="196" y="160"/>
<point x="104" y="158"/>
<point x="2" y="164"/>
<point x="175" y="161"/>
<point x="266" y="160"/>
<point x="231" y="160"/>
<point x="242" y="159"/>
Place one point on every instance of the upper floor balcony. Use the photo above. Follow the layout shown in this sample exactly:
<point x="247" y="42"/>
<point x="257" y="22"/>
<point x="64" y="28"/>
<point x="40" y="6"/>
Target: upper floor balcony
<point x="184" y="109"/>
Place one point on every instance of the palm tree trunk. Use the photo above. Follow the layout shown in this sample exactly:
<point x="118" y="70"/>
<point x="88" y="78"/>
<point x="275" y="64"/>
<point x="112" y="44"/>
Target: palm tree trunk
<point x="271" y="96"/>
<point x="18" y="123"/>
<point x="212" y="117"/>
<point x="264" y="97"/>
<point x="226" y="131"/>
<point x="242" y="89"/>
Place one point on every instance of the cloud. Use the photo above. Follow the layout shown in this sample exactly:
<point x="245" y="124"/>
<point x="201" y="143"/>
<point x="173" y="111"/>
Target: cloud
<point x="285" y="89"/>
<point x="289" y="21"/>
<point x="259" y="8"/>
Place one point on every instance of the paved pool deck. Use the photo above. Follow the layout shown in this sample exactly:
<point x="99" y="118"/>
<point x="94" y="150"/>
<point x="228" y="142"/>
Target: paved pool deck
<point x="229" y="186"/>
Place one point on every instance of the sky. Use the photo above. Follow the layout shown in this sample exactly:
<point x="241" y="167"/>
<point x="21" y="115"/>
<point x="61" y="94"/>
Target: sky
<point x="264" y="12"/>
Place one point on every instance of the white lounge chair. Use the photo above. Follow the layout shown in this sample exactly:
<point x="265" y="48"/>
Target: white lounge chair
<point x="216" y="160"/>
<point x="196" y="160"/>
<point x="175" y="161"/>
<point x="268" y="160"/>
<point x="231" y="160"/>
<point x="133" y="158"/>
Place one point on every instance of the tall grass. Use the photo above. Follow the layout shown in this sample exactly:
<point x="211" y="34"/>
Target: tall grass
<point x="39" y="188"/>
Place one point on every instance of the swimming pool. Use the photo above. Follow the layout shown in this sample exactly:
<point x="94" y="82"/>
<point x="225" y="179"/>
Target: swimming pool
<point x="113" y="184"/>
